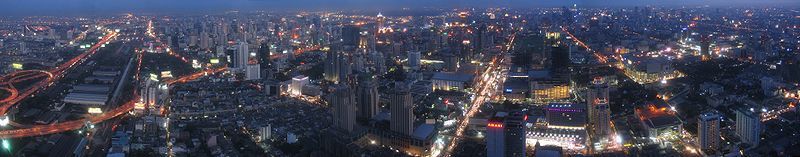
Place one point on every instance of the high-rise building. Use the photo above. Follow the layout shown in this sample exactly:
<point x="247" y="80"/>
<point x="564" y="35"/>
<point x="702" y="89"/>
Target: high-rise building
<point x="253" y="72"/>
<point x="204" y="40"/>
<point x="708" y="133"/>
<point x="414" y="59"/>
<point x="242" y="55"/>
<point x="400" y="106"/>
<point x="332" y="63"/>
<point x="351" y="35"/>
<point x="505" y="135"/>
<point x="748" y="126"/>
<point x="450" y="62"/>
<point x="368" y="97"/>
<point x="265" y="132"/>
<point x="342" y="102"/>
<point x="599" y="111"/>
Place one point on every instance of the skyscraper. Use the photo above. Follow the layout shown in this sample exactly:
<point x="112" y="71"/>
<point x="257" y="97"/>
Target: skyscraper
<point x="505" y="135"/>
<point x="599" y="114"/>
<point x="342" y="102"/>
<point x="414" y="58"/>
<point x="242" y="55"/>
<point x="748" y="126"/>
<point x="400" y="104"/>
<point x="331" y="66"/>
<point x="253" y="72"/>
<point x="351" y="35"/>
<point x="367" y="97"/>
<point x="708" y="134"/>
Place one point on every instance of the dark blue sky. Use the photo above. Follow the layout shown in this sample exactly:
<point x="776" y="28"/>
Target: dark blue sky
<point x="64" y="7"/>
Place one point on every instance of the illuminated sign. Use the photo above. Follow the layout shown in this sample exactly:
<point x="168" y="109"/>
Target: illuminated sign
<point x="508" y="90"/>
<point x="95" y="110"/>
<point x="214" y="61"/>
<point x="17" y="66"/>
<point x="153" y="77"/>
<point x="166" y="74"/>
<point x="138" y="106"/>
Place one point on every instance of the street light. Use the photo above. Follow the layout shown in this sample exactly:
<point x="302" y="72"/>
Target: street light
<point x="6" y="145"/>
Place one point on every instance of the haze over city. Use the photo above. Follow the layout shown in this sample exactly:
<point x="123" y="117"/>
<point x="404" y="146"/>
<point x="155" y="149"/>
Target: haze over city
<point x="434" y="78"/>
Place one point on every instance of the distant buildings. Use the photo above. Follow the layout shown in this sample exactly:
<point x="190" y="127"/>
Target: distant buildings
<point x="708" y="133"/>
<point x="748" y="126"/>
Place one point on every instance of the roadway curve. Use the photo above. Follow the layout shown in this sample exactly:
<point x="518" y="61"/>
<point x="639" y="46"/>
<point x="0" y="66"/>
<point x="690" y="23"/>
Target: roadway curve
<point x="53" y="75"/>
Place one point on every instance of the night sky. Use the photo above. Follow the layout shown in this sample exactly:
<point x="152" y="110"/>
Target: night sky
<point x="63" y="7"/>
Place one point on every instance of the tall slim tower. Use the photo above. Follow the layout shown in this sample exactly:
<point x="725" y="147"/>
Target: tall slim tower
<point x="748" y="126"/>
<point x="414" y="59"/>
<point x="242" y="54"/>
<point x="708" y="134"/>
<point x="343" y="104"/>
<point x="400" y="104"/>
<point x="599" y="111"/>
<point x="367" y="97"/>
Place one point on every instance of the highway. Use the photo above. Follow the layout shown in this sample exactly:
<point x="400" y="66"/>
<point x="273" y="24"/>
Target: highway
<point x="53" y="75"/>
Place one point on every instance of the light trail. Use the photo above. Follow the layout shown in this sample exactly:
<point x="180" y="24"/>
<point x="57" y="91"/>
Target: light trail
<point x="38" y="130"/>
<point x="197" y="75"/>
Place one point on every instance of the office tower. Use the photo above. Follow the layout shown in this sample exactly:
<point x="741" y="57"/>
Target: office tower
<point x="378" y="62"/>
<point x="265" y="132"/>
<point x="241" y="56"/>
<point x="748" y="126"/>
<point x="450" y="62"/>
<point x="204" y="40"/>
<point x="559" y="59"/>
<point x="708" y="133"/>
<point x="342" y="102"/>
<point x="414" y="58"/>
<point x="332" y="66"/>
<point x="515" y="134"/>
<point x="599" y="111"/>
<point x="495" y="136"/>
<point x="400" y="105"/>
<point x="253" y="72"/>
<point x="23" y="49"/>
<point x="368" y="97"/>
<point x="351" y="35"/>
<point x="505" y="135"/>
<point x="705" y="47"/>
<point x="264" y="55"/>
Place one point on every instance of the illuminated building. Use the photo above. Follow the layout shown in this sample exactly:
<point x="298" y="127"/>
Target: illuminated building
<point x="748" y="126"/>
<point x="343" y="103"/>
<point x="567" y="115"/>
<point x="450" y="81"/>
<point x="708" y="133"/>
<point x="645" y="71"/>
<point x="659" y="120"/>
<point x="368" y="97"/>
<point x="296" y="87"/>
<point x="599" y="111"/>
<point x="506" y="135"/>
<point x="564" y="125"/>
<point x="400" y="105"/>
<point x="549" y="90"/>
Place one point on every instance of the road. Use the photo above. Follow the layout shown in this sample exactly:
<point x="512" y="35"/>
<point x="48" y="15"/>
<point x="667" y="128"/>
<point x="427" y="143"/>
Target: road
<point x="485" y="87"/>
